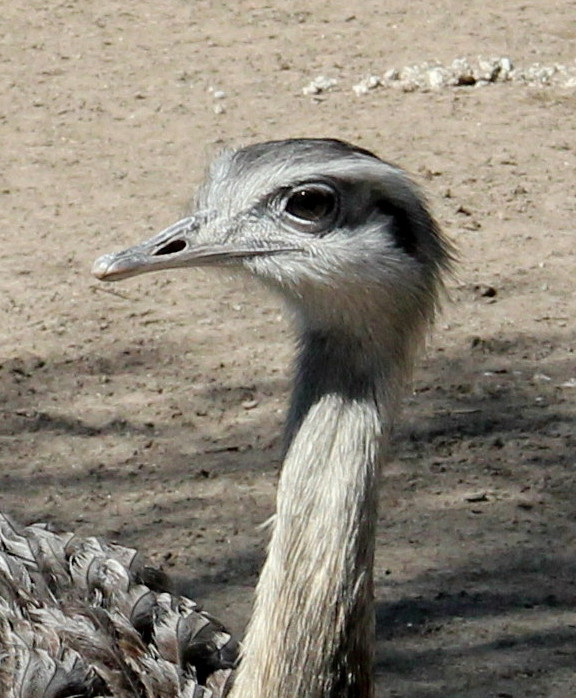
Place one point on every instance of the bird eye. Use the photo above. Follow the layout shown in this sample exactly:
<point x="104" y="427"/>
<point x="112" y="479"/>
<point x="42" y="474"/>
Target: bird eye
<point x="313" y="203"/>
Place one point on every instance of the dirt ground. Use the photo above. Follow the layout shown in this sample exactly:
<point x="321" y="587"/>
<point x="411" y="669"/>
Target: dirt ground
<point x="150" y="411"/>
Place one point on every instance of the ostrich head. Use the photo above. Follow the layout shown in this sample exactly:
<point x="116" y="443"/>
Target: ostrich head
<point x="331" y="226"/>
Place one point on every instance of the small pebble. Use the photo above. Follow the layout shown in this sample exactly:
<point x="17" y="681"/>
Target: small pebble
<point x="478" y="497"/>
<point x="250" y="404"/>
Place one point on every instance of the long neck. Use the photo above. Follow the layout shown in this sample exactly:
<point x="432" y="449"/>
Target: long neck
<point x="311" y="635"/>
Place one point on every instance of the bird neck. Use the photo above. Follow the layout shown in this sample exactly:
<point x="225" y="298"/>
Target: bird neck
<point x="312" y="630"/>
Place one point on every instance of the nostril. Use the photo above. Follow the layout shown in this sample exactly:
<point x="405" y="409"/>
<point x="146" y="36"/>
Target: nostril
<point x="171" y="248"/>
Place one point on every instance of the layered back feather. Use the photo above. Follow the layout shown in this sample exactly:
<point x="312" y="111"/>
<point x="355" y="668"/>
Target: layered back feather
<point x="84" y="618"/>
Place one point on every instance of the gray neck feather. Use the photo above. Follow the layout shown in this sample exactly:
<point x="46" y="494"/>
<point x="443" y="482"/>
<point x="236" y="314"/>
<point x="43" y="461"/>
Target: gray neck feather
<point x="311" y="635"/>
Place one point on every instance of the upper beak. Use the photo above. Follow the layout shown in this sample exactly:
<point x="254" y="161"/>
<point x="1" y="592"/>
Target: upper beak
<point x="177" y="246"/>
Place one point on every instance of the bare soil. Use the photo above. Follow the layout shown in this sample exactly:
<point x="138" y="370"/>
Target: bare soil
<point x="151" y="411"/>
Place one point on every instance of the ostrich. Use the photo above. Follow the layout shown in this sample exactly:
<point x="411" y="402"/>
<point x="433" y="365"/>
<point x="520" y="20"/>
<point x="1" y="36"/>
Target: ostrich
<point x="347" y="241"/>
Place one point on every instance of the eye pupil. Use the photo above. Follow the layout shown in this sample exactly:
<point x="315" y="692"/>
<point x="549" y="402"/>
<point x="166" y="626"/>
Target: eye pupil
<point x="311" y="204"/>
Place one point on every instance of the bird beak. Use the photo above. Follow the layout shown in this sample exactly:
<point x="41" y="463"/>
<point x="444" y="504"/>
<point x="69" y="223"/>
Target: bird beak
<point x="177" y="246"/>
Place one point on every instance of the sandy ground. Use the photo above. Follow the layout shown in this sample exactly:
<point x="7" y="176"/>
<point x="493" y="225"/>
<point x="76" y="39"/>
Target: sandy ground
<point x="151" y="411"/>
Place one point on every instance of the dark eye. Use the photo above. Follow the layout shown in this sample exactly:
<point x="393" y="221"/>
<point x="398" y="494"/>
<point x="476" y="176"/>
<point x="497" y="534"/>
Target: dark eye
<point x="312" y="203"/>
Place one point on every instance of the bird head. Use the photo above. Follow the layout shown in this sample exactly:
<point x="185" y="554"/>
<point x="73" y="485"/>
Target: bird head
<point x="326" y="223"/>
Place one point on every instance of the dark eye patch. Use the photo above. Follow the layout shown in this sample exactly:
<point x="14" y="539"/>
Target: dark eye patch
<point x="402" y="227"/>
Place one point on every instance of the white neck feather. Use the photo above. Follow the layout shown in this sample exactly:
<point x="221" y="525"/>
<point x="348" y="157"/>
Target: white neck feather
<point x="312" y="630"/>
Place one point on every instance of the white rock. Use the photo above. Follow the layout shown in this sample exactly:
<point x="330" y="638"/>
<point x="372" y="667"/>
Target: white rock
<point x="437" y="78"/>
<point x="392" y="74"/>
<point x="506" y="65"/>
<point x="364" y="86"/>
<point x="481" y="72"/>
<point x="319" y="85"/>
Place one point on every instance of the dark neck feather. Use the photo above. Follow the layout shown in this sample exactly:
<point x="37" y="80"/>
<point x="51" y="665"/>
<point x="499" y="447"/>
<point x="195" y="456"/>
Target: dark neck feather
<point x="334" y="362"/>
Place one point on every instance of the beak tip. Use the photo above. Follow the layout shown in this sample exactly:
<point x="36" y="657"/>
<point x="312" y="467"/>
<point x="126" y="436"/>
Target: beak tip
<point x="101" y="268"/>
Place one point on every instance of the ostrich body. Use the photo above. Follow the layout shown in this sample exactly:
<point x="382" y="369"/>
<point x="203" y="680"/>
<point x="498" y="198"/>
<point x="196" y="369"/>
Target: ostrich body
<point x="84" y="618"/>
<point x="347" y="241"/>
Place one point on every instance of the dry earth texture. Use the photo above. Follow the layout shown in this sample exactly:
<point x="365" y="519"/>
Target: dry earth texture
<point x="151" y="411"/>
